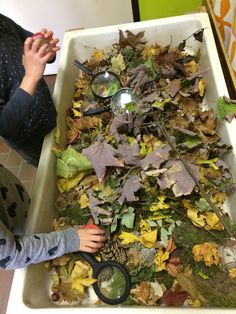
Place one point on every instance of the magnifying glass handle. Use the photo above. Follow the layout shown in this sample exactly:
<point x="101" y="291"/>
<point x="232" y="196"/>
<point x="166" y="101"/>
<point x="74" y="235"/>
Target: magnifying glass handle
<point x="83" y="68"/>
<point x="88" y="258"/>
<point x="94" y="111"/>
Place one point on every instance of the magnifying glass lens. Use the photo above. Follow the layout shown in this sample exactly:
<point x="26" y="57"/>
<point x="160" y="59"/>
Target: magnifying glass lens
<point x="122" y="98"/>
<point x="105" y="84"/>
<point x="111" y="282"/>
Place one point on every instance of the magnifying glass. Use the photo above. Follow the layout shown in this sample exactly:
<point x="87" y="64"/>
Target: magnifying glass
<point x="122" y="99"/>
<point x="104" y="84"/>
<point x="113" y="283"/>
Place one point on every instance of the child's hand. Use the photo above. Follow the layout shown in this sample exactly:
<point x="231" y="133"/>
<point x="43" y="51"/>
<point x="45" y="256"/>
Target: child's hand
<point x="35" y="58"/>
<point x="48" y="37"/>
<point x="91" y="239"/>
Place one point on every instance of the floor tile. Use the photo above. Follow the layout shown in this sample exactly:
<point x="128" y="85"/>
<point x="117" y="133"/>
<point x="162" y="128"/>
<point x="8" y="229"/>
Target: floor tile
<point x="27" y="172"/>
<point x="4" y="148"/>
<point x="14" y="159"/>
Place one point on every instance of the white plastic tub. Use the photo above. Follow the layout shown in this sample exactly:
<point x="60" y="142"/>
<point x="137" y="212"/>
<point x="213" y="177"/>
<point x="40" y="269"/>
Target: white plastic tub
<point x="29" y="293"/>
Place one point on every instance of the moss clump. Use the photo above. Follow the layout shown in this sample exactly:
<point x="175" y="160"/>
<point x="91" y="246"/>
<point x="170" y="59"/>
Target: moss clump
<point x="219" y="291"/>
<point x="76" y="214"/>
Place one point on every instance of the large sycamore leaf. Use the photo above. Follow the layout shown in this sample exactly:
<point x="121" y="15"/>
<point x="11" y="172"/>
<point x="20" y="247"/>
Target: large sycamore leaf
<point x="156" y="158"/>
<point x="177" y="178"/>
<point x="131" y="185"/>
<point x="130" y="154"/>
<point x="102" y="155"/>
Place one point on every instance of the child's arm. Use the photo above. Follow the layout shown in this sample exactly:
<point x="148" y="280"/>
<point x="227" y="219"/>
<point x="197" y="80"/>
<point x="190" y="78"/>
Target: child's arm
<point x="17" y="252"/>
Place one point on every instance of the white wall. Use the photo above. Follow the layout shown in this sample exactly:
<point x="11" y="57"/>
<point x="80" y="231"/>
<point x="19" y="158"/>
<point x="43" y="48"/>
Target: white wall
<point x="61" y="15"/>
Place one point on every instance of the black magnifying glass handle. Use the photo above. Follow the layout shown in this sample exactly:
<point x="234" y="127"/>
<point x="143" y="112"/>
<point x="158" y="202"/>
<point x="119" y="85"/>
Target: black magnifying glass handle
<point x="95" y="111"/>
<point x="83" y="68"/>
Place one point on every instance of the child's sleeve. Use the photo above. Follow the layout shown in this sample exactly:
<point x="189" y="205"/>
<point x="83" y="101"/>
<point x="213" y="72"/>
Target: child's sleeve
<point x="12" y="113"/>
<point x="17" y="252"/>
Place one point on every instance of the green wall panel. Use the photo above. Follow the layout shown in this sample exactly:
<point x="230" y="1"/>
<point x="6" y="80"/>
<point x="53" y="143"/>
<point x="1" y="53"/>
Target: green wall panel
<point x="154" y="9"/>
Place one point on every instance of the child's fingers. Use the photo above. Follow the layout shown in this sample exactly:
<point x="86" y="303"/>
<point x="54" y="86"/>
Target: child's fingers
<point x="28" y="44"/>
<point x="36" y="45"/>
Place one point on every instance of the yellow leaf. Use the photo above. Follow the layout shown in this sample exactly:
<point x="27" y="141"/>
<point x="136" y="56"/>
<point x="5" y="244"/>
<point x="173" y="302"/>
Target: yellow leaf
<point x="201" y="87"/>
<point x="232" y="273"/>
<point x="118" y="63"/>
<point x="76" y="104"/>
<point x="197" y="220"/>
<point x="206" y="252"/>
<point x="76" y="113"/>
<point x="160" y="260"/>
<point x="87" y="281"/>
<point x="127" y="238"/>
<point x="144" y="226"/>
<point x="65" y="185"/>
<point x="77" y="285"/>
<point x="160" y="204"/>
<point x="213" y="222"/>
<point x="98" y="55"/>
<point x="149" y="239"/>
<point x="84" y="201"/>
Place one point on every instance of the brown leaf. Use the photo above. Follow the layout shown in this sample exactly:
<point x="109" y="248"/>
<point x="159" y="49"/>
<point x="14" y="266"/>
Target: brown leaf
<point x="131" y="39"/>
<point x="101" y="156"/>
<point x="131" y="185"/>
<point x="174" y="298"/>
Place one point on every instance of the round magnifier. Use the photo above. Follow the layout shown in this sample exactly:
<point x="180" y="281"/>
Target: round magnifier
<point x="104" y="84"/>
<point x="122" y="98"/>
<point x="113" y="283"/>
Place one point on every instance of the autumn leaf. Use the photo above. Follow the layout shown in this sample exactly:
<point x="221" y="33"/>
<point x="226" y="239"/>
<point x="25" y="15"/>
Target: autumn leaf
<point x="144" y="226"/>
<point x="161" y="259"/>
<point x="118" y="63"/>
<point x="156" y="158"/>
<point x="160" y="204"/>
<point x="131" y="185"/>
<point x="102" y="155"/>
<point x="131" y="39"/>
<point x="65" y="185"/>
<point x="175" y="297"/>
<point x="128" y="238"/>
<point x="206" y="252"/>
<point x="177" y="178"/>
<point x="149" y="239"/>
<point x="129" y="153"/>
<point x="232" y="273"/>
<point x="147" y="293"/>
<point x="95" y="209"/>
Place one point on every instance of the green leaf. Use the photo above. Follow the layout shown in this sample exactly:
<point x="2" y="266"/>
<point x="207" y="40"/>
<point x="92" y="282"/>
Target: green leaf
<point x="70" y="162"/>
<point x="164" y="236"/>
<point x="130" y="106"/>
<point x="192" y="141"/>
<point x="225" y="109"/>
<point x="127" y="219"/>
<point x="202" y="205"/>
<point x="57" y="136"/>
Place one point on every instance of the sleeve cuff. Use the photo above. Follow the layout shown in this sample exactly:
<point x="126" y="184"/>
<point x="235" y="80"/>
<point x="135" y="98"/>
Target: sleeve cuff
<point x="72" y="240"/>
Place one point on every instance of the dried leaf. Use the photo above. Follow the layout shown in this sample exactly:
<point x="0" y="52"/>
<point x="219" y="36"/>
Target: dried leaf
<point x="127" y="238"/>
<point x="160" y="260"/>
<point x="102" y="155"/>
<point x="131" y="185"/>
<point x="131" y="39"/>
<point x="177" y="178"/>
<point x="206" y="252"/>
